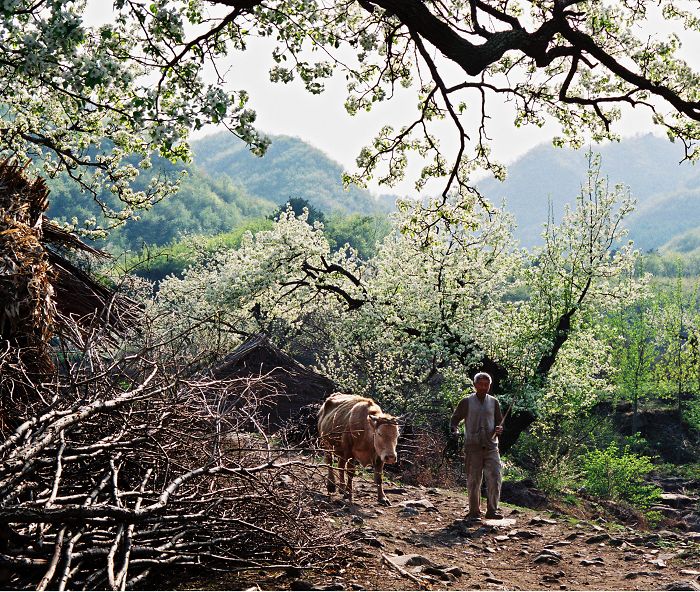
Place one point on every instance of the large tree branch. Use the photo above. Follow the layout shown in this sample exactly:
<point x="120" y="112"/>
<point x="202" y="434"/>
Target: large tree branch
<point x="586" y="43"/>
<point x="472" y="58"/>
<point x="475" y="58"/>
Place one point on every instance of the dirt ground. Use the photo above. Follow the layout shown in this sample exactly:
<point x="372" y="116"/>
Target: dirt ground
<point x="422" y="542"/>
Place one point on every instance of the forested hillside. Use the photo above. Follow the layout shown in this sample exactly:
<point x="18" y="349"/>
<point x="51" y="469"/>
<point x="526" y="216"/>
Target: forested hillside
<point x="667" y="193"/>
<point x="687" y="243"/>
<point x="223" y="189"/>
<point x="290" y="168"/>
<point x="227" y="186"/>
<point x="202" y="205"/>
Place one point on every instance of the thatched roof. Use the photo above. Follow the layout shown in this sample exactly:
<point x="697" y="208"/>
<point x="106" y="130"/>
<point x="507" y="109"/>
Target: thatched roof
<point x="295" y="387"/>
<point x="40" y="287"/>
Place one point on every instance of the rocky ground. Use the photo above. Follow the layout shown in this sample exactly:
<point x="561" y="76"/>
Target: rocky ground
<point x="422" y="542"/>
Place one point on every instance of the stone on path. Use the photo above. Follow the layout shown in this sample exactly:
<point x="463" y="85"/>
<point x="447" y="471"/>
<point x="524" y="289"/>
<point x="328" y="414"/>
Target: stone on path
<point x="682" y="585"/>
<point x="550" y="579"/>
<point x="548" y="556"/>
<point x="501" y="522"/>
<point x="409" y="560"/>
<point x="439" y="573"/>
<point x="638" y="574"/>
<point x="406" y="512"/>
<point x="524" y="534"/>
<point x="590" y="562"/>
<point x="419" y="504"/>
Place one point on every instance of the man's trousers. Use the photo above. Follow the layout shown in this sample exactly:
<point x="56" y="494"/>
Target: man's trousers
<point x="487" y="462"/>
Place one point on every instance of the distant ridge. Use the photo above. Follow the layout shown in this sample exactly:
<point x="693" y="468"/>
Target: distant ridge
<point x="224" y="188"/>
<point x="667" y="193"/>
<point x="290" y="168"/>
<point x="227" y="186"/>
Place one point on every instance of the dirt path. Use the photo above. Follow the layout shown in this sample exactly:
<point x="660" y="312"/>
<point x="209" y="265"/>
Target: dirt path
<point x="422" y="542"/>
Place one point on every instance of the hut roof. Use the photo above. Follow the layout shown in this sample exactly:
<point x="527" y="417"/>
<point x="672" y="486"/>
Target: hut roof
<point x="297" y="387"/>
<point x="36" y="270"/>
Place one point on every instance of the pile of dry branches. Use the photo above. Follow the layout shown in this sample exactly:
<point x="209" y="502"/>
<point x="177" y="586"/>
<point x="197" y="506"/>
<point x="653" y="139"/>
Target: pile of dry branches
<point x="42" y="293"/>
<point x="118" y="462"/>
<point x="126" y="466"/>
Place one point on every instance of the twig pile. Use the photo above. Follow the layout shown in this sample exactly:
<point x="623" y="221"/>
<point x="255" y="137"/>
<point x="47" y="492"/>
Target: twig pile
<point x="119" y="461"/>
<point x="127" y="467"/>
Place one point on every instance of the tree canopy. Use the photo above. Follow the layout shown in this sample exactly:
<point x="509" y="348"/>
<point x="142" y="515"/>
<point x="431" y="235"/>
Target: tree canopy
<point x="446" y="294"/>
<point x="139" y="80"/>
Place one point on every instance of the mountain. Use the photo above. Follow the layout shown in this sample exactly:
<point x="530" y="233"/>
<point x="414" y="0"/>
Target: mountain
<point x="224" y="188"/>
<point x="202" y="205"/>
<point x="290" y="168"/>
<point x="667" y="193"/>
<point x="687" y="243"/>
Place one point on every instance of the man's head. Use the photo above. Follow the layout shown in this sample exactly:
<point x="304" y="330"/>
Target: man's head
<point x="482" y="383"/>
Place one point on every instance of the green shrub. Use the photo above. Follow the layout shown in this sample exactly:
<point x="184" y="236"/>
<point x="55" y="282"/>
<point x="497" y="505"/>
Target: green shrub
<point x="692" y="413"/>
<point x="512" y="472"/>
<point x="552" y="457"/>
<point x="619" y="475"/>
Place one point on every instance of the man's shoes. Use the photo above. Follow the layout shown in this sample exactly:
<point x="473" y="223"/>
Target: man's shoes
<point x="494" y="516"/>
<point x="473" y="517"/>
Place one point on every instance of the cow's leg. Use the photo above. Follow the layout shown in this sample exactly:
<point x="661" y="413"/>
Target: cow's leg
<point x="350" y="472"/>
<point x="330" y="482"/>
<point x="379" y="482"/>
<point x="341" y="475"/>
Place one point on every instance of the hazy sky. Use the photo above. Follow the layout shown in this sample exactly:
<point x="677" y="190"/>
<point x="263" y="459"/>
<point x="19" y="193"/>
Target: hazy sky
<point x="322" y="120"/>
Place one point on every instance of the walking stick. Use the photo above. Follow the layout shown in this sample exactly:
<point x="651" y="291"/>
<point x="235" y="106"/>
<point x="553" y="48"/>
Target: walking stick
<point x="503" y="419"/>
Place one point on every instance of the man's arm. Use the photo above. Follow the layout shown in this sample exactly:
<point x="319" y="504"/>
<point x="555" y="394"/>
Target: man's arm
<point x="459" y="415"/>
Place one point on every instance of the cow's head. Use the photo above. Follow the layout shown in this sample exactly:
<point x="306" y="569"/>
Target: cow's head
<point x="384" y="430"/>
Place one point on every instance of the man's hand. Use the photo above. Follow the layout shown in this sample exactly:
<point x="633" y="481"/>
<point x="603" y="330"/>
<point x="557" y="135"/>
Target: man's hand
<point x="499" y="430"/>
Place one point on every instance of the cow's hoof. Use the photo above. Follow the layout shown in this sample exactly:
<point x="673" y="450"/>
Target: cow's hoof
<point x="384" y="501"/>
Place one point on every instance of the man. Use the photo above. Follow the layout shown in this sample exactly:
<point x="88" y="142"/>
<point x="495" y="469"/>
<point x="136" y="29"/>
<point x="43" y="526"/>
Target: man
<point x="482" y="418"/>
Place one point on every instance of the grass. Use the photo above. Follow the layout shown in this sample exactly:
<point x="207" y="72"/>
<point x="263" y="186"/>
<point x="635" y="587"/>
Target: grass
<point x="511" y="506"/>
<point x="685" y="471"/>
<point x="570" y="499"/>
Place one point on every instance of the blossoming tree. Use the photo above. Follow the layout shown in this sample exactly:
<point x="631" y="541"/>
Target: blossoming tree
<point x="447" y="294"/>
<point x="81" y="99"/>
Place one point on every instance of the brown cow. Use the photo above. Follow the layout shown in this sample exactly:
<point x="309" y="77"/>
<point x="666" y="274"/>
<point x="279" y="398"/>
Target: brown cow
<point x="354" y="428"/>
